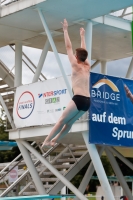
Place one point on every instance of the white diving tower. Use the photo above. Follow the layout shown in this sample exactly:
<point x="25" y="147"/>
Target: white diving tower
<point x="37" y="24"/>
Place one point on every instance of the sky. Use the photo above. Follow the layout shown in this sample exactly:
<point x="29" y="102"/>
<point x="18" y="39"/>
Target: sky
<point x="51" y="68"/>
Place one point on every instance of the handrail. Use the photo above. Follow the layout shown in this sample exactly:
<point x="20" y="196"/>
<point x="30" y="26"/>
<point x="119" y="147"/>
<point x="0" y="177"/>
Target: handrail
<point x="16" y="163"/>
<point x="44" y="169"/>
<point x="27" y="171"/>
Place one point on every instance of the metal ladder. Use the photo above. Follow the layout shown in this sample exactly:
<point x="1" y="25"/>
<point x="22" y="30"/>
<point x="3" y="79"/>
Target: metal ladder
<point x="67" y="159"/>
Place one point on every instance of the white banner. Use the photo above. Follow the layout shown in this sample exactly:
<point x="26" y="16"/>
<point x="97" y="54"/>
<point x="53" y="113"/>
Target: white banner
<point x="40" y="103"/>
<point x="13" y="174"/>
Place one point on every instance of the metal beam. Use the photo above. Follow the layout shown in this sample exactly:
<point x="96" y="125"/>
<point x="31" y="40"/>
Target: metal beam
<point x="7" y="112"/>
<point x="41" y="62"/>
<point x="2" y="82"/>
<point x="8" y="96"/>
<point x="128" y="14"/>
<point x="113" y="21"/>
<point x="123" y="13"/>
<point x="88" y="39"/>
<point x="103" y="67"/>
<point x="99" y="168"/>
<point x="91" y="147"/>
<point x="87" y="177"/>
<point x="95" y="64"/>
<point x="119" y="174"/>
<point x="6" y="75"/>
<point x="55" y="171"/>
<point x="31" y="167"/>
<point x="121" y="157"/>
<point x="26" y="62"/>
<point x="54" y="50"/>
<point x="25" y="173"/>
<point x="130" y="69"/>
<point x="18" y="64"/>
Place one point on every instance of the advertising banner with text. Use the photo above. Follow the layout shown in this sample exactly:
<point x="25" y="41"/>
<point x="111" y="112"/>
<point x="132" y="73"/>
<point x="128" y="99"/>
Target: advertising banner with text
<point x="40" y="103"/>
<point x="111" y="111"/>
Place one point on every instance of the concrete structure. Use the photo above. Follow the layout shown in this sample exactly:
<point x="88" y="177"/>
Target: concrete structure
<point x="34" y="23"/>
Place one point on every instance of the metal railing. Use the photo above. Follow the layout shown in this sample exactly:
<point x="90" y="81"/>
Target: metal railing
<point x="26" y="172"/>
<point x="10" y="164"/>
<point x="124" y="13"/>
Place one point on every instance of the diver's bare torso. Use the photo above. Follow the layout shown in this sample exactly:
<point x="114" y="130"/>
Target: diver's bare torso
<point x="80" y="83"/>
<point x="80" y="78"/>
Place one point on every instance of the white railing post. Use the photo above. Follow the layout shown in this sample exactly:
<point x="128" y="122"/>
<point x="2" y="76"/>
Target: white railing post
<point x="18" y="64"/>
<point x="41" y="62"/>
<point x="37" y="181"/>
<point x="92" y="147"/>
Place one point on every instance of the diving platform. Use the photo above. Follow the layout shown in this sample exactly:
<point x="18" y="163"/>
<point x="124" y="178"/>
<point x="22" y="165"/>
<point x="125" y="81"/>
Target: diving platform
<point x="39" y="133"/>
<point x="111" y="39"/>
<point x="75" y="137"/>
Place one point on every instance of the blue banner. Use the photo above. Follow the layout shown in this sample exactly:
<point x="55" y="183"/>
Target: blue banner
<point x="111" y="110"/>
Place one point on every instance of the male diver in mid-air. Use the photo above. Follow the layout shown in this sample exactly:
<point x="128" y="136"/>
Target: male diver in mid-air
<point x="80" y="102"/>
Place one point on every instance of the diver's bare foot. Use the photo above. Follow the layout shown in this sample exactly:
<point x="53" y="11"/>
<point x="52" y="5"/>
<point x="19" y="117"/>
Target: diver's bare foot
<point x="53" y="142"/>
<point x="46" y="144"/>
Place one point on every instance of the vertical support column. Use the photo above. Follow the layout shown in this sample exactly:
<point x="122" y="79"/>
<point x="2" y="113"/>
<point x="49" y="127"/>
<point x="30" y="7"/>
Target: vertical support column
<point x="41" y="62"/>
<point x="31" y="167"/>
<point x="99" y="168"/>
<point x="91" y="147"/>
<point x="119" y="174"/>
<point x="55" y="51"/>
<point x="130" y="69"/>
<point x="103" y="67"/>
<point x="88" y="39"/>
<point x="87" y="177"/>
<point x="18" y="64"/>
